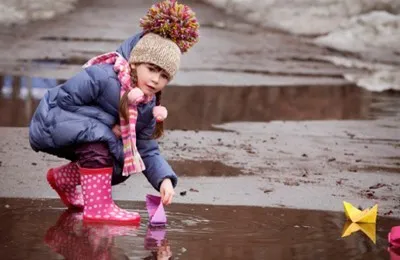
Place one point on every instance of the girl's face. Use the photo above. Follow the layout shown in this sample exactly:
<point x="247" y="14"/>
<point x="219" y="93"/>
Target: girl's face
<point x="150" y="78"/>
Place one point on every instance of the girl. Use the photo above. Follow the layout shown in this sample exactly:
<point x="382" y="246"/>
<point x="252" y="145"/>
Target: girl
<point x="116" y="95"/>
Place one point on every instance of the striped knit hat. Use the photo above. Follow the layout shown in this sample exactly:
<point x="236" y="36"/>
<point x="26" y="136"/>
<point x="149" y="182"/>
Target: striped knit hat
<point x="170" y="30"/>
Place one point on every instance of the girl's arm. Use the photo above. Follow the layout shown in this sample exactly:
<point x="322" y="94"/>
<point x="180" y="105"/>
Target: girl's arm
<point x="157" y="168"/>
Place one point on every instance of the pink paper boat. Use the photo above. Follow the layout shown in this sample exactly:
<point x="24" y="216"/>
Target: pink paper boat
<point x="394" y="236"/>
<point x="156" y="211"/>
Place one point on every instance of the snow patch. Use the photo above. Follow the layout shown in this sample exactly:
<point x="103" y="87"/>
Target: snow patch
<point x="365" y="33"/>
<point x="306" y="17"/>
<point x="358" y="26"/>
<point x="376" y="76"/>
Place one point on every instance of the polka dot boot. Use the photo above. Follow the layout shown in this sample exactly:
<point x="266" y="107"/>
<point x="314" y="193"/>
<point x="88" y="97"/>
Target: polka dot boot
<point x="99" y="205"/>
<point x="64" y="180"/>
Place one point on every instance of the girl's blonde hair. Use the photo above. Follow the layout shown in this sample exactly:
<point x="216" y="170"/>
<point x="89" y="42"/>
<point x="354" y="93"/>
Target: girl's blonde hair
<point x="124" y="108"/>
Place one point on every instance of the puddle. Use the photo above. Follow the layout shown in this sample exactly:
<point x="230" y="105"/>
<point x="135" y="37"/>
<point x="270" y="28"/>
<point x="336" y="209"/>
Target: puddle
<point x="375" y="169"/>
<point x="73" y="60"/>
<point x="19" y="97"/>
<point x="42" y="229"/>
<point x="203" y="168"/>
<point x="78" y="39"/>
<point x="216" y="105"/>
<point x="199" y="108"/>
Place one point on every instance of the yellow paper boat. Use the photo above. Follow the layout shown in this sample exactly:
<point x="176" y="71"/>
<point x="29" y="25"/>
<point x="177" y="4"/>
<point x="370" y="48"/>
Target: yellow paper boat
<point x="357" y="216"/>
<point x="368" y="229"/>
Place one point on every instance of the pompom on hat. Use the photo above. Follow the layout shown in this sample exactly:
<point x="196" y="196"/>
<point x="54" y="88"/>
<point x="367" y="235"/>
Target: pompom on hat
<point x="170" y="29"/>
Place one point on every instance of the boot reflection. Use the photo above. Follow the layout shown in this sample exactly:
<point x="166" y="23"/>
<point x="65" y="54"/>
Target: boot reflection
<point x="156" y="242"/>
<point x="394" y="253"/>
<point x="72" y="239"/>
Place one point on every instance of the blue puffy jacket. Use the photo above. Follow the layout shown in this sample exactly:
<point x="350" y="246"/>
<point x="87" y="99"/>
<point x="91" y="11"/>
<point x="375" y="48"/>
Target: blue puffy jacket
<point x="85" y="108"/>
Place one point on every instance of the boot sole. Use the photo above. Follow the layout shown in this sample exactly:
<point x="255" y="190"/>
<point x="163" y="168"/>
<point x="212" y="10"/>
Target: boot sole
<point x="52" y="182"/>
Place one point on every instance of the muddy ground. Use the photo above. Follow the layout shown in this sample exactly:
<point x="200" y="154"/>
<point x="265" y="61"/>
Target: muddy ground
<point x="257" y="105"/>
<point x="308" y="164"/>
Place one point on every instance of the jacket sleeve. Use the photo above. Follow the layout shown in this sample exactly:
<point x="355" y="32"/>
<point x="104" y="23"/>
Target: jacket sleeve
<point x="157" y="168"/>
<point x="79" y="93"/>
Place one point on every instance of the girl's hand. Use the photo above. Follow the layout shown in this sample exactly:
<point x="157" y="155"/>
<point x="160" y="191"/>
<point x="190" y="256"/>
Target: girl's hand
<point x="160" y="113"/>
<point x="135" y="96"/>
<point x="117" y="131"/>
<point x="164" y="251"/>
<point x="166" y="191"/>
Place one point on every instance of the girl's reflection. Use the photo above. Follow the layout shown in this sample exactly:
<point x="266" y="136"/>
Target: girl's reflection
<point x="73" y="239"/>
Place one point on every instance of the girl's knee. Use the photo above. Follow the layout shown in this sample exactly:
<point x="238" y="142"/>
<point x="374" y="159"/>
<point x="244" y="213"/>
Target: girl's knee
<point x="94" y="155"/>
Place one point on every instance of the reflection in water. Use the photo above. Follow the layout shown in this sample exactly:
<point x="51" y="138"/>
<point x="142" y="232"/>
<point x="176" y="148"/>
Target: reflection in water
<point x="394" y="253"/>
<point x="194" y="168"/>
<point x="74" y="239"/>
<point x="368" y="229"/>
<point x="26" y="87"/>
<point x="194" y="232"/>
<point x="19" y="97"/>
<point x="156" y="242"/>
<point x="198" y="108"/>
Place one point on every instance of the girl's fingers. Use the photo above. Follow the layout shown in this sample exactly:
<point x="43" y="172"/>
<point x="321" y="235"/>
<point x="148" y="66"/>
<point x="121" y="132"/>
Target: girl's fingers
<point x="117" y="130"/>
<point x="167" y="198"/>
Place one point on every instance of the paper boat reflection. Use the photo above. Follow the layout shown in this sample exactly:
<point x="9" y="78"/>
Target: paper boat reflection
<point x="368" y="229"/>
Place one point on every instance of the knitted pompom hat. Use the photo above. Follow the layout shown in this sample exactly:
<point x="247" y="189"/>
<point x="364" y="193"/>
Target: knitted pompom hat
<point x="155" y="49"/>
<point x="170" y="30"/>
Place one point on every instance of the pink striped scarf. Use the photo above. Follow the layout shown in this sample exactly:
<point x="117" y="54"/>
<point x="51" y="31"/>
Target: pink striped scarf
<point x="133" y="163"/>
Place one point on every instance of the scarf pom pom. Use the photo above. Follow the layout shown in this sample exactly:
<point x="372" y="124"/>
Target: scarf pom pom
<point x="160" y="113"/>
<point x="135" y="96"/>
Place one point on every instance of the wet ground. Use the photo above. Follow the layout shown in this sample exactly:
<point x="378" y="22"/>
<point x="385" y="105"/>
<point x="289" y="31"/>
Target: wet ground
<point x="42" y="229"/>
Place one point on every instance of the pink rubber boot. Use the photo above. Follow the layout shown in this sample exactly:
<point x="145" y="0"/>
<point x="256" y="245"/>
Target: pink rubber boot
<point x="99" y="205"/>
<point x="64" y="181"/>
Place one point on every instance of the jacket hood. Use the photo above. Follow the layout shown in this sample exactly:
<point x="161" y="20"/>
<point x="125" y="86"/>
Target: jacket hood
<point x="127" y="46"/>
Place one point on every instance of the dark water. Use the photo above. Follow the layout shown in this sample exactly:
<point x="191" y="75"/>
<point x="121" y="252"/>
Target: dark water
<point x="204" y="168"/>
<point x="198" y="108"/>
<point x="42" y="229"/>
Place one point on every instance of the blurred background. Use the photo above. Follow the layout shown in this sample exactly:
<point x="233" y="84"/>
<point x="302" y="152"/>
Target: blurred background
<point x="248" y="43"/>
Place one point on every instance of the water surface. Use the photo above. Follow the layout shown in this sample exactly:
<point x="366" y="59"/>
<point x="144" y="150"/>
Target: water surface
<point x="199" y="107"/>
<point x="42" y="229"/>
